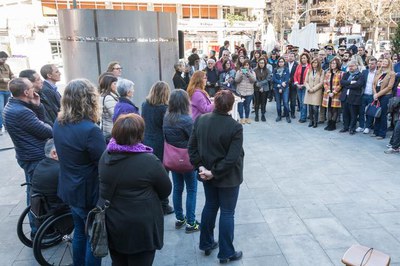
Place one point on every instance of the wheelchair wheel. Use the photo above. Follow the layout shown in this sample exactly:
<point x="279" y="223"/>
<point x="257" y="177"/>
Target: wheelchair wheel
<point x="56" y="230"/>
<point x="24" y="228"/>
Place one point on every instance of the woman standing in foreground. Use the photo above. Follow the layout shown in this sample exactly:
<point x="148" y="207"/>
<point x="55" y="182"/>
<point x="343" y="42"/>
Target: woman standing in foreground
<point x="216" y="150"/>
<point x="135" y="222"/>
<point x="79" y="143"/>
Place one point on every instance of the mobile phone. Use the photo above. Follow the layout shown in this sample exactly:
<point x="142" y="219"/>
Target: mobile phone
<point x="244" y="70"/>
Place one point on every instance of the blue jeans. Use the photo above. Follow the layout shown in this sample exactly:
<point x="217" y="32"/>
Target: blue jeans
<point x="4" y="95"/>
<point x="303" y="107"/>
<point x="380" y="127"/>
<point x="279" y="97"/>
<point x="216" y="198"/>
<point x="29" y="167"/>
<point x="246" y="105"/>
<point x="191" y="189"/>
<point x="82" y="253"/>
<point x="364" y="120"/>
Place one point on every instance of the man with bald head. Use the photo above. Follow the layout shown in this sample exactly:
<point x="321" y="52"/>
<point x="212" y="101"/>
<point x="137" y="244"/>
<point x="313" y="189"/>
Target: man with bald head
<point x="24" y="118"/>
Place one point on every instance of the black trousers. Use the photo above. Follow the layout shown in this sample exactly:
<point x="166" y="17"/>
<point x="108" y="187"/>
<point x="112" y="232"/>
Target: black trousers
<point x="314" y="113"/>
<point x="145" y="258"/>
<point x="350" y="114"/>
<point x="260" y="99"/>
<point x="292" y="99"/>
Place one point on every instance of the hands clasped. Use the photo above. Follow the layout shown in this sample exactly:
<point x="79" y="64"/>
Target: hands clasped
<point x="205" y="174"/>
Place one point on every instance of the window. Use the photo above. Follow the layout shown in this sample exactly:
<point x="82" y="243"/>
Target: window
<point x="165" y="8"/>
<point x="197" y="11"/>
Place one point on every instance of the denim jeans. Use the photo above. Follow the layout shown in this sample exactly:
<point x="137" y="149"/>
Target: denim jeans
<point x="364" y="120"/>
<point x="4" y="95"/>
<point x="224" y="199"/>
<point x="179" y="181"/>
<point x="303" y="107"/>
<point x="279" y="97"/>
<point x="246" y="105"/>
<point x="380" y="127"/>
<point x="82" y="254"/>
<point x="395" y="139"/>
<point x="29" y="167"/>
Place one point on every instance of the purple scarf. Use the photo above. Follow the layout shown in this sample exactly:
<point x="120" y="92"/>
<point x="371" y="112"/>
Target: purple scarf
<point x="114" y="147"/>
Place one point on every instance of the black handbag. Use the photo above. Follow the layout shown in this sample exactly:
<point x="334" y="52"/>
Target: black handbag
<point x="374" y="109"/>
<point x="96" y="229"/>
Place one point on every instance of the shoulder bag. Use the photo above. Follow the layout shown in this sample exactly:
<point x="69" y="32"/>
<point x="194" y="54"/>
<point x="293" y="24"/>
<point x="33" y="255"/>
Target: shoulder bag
<point x="96" y="229"/>
<point x="176" y="159"/>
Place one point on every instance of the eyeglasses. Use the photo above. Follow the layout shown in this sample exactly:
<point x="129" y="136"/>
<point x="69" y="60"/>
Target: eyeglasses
<point x="117" y="68"/>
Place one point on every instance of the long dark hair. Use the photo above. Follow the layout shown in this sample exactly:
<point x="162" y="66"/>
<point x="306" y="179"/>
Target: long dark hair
<point x="178" y="105"/>
<point x="105" y="84"/>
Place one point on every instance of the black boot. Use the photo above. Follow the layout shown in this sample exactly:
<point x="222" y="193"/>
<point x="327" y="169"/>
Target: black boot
<point x="333" y="126"/>
<point x="256" y="118"/>
<point x="263" y="117"/>
<point x="316" y="115"/>
<point x="328" y="127"/>
<point x="311" y="123"/>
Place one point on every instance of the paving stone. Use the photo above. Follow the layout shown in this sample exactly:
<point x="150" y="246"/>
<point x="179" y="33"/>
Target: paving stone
<point x="284" y="221"/>
<point x="302" y="250"/>
<point x="329" y="233"/>
<point x="310" y="208"/>
<point x="247" y="212"/>
<point x="336" y="255"/>
<point x="352" y="217"/>
<point x="278" y="260"/>
<point x="390" y="221"/>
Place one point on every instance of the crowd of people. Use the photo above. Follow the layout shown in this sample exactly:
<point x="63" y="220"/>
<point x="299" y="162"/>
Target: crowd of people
<point x="88" y="134"/>
<point x="88" y="144"/>
<point x="321" y="84"/>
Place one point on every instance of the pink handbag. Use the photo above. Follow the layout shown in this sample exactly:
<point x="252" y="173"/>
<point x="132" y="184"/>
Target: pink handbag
<point x="176" y="159"/>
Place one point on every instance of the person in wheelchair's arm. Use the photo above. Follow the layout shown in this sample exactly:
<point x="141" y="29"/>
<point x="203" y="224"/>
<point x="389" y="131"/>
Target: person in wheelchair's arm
<point x="44" y="197"/>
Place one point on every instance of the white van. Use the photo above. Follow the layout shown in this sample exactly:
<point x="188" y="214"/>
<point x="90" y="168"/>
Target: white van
<point x="348" y="40"/>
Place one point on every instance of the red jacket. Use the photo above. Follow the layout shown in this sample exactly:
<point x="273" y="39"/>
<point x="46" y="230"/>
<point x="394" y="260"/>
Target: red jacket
<point x="297" y="74"/>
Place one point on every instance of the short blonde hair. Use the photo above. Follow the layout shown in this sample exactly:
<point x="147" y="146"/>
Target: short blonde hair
<point x="159" y="93"/>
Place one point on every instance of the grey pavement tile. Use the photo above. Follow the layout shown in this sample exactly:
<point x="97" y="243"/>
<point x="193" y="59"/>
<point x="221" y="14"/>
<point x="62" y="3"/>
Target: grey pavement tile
<point x="247" y="212"/>
<point x="371" y="202"/>
<point x="330" y="193"/>
<point x="336" y="255"/>
<point x="352" y="216"/>
<point x="300" y="250"/>
<point x="380" y="240"/>
<point x="386" y="189"/>
<point x="390" y="221"/>
<point x="278" y="260"/>
<point x="329" y="233"/>
<point x="255" y="240"/>
<point x="259" y="180"/>
<point x="310" y="208"/>
<point x="267" y="198"/>
<point x="25" y="263"/>
<point x="294" y="188"/>
<point x="284" y="221"/>
<point x="5" y="210"/>
<point x="9" y="252"/>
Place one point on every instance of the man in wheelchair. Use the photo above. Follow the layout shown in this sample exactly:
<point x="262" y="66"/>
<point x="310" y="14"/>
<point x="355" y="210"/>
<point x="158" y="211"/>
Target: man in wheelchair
<point x="44" y="199"/>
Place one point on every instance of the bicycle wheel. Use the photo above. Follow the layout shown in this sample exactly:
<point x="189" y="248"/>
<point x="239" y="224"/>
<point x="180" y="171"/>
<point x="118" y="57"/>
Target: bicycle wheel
<point x="58" y="231"/>
<point x="24" y="228"/>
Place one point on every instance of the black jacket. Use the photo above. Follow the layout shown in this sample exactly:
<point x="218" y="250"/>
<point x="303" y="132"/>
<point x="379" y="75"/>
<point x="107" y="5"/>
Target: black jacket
<point x="356" y="89"/>
<point x="50" y="109"/>
<point x="178" y="133"/>
<point x="291" y="80"/>
<point x="217" y="144"/>
<point x="179" y="82"/>
<point x="53" y="96"/>
<point x="135" y="219"/>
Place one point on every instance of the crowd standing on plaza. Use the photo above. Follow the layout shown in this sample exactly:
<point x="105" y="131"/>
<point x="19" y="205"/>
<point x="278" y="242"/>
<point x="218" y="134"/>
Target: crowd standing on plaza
<point x="79" y="142"/>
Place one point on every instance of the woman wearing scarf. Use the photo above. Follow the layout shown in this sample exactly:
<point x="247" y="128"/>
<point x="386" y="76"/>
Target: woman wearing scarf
<point x="332" y="88"/>
<point x="281" y="87"/>
<point x="135" y="221"/>
<point x="313" y="97"/>
<point x="382" y="89"/>
<point x="352" y="85"/>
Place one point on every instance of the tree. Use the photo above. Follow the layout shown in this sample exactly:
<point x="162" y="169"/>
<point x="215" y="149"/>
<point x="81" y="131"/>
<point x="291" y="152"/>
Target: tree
<point x="396" y="41"/>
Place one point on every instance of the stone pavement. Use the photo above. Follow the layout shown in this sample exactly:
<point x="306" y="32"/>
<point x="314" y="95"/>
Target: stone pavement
<point x="307" y="196"/>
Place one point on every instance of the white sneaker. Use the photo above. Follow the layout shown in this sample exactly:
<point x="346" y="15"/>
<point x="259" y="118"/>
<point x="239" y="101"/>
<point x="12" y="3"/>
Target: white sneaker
<point x="389" y="145"/>
<point x="359" y="129"/>
<point x="366" y="130"/>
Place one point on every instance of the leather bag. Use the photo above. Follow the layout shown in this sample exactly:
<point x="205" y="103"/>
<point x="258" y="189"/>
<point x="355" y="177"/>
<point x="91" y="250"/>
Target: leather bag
<point x="176" y="159"/>
<point x="374" y="109"/>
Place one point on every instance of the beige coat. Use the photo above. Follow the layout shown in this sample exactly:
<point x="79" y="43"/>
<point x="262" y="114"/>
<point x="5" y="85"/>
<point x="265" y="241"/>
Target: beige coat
<point x="314" y="85"/>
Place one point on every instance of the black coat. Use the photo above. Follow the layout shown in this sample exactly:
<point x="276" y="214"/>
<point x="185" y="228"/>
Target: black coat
<point x="135" y="219"/>
<point x="291" y="80"/>
<point x="179" y="82"/>
<point x="356" y="89"/>
<point x="217" y="144"/>
<point x="178" y="133"/>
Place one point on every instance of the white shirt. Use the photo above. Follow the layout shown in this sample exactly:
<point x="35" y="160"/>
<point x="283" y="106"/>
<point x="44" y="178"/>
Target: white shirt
<point x="290" y="66"/>
<point x="370" y="80"/>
